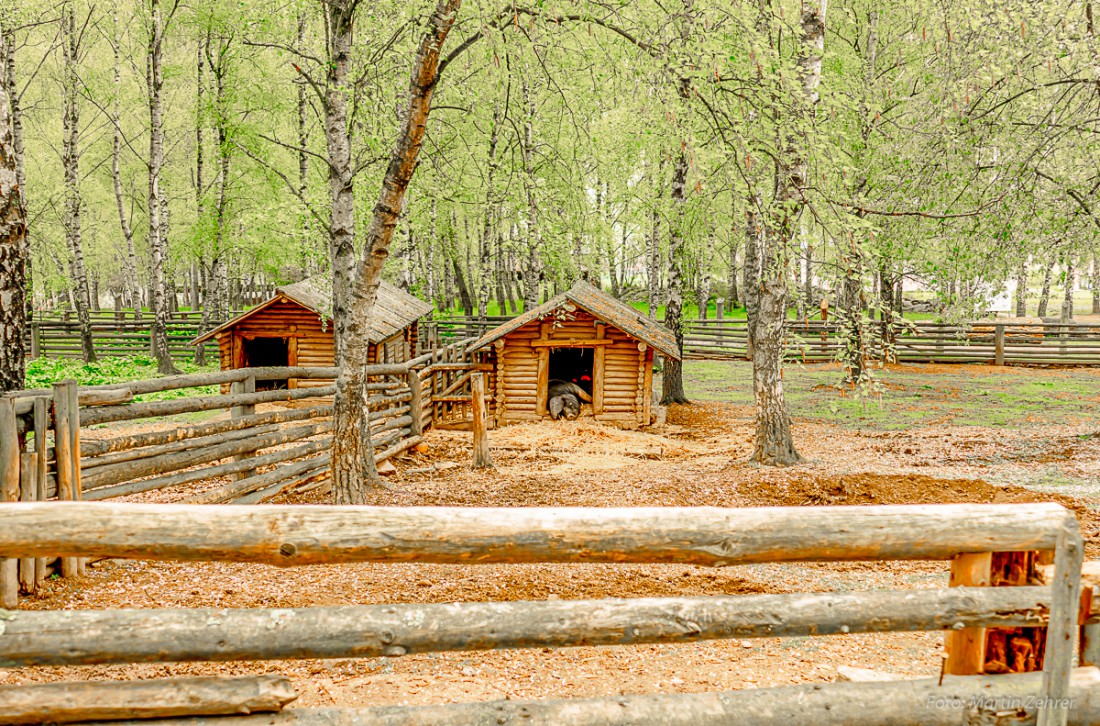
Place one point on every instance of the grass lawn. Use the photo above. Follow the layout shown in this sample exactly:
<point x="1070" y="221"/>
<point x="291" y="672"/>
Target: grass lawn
<point x="913" y="396"/>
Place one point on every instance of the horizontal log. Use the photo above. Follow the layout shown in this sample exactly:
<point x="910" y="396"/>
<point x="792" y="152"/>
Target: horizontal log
<point x="471" y="366"/>
<point x="690" y="535"/>
<point x="1000" y="699"/>
<point x="315" y="476"/>
<point x="233" y="490"/>
<point x="405" y="443"/>
<point x="87" y="637"/>
<point x="379" y="399"/>
<point x="70" y="702"/>
<point x="151" y="409"/>
<point x="383" y="440"/>
<point x="571" y="343"/>
<point x="186" y="477"/>
<point x="96" y="447"/>
<point x="113" y="397"/>
<point x="193" y="380"/>
<point x="125" y="471"/>
<point x="89" y="464"/>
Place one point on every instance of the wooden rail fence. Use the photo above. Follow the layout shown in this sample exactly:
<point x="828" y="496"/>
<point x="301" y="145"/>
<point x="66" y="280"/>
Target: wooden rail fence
<point x="59" y="337"/>
<point x="997" y="343"/>
<point x="306" y="535"/>
<point x="96" y="443"/>
<point x="993" y="342"/>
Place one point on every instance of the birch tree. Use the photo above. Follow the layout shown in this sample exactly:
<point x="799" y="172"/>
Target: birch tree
<point x="13" y="258"/>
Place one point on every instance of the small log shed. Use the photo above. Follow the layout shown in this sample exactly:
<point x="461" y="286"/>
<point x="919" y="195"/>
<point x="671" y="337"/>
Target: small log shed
<point x="582" y="335"/>
<point x="294" y="328"/>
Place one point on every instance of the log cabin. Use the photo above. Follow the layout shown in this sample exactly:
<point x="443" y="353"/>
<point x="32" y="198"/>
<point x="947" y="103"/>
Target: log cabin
<point x="582" y="335"/>
<point x="294" y="328"/>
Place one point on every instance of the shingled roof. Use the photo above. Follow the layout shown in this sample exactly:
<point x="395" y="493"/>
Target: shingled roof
<point x="394" y="309"/>
<point x="599" y="304"/>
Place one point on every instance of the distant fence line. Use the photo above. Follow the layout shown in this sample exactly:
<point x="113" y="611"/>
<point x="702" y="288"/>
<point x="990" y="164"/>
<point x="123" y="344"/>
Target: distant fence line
<point x="992" y="342"/>
<point x="113" y="334"/>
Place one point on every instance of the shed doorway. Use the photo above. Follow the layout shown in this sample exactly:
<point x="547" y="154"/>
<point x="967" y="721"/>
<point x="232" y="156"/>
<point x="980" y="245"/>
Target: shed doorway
<point x="572" y="364"/>
<point x="264" y="352"/>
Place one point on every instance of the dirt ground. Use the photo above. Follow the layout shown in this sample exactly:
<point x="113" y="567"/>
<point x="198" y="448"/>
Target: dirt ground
<point x="698" y="458"/>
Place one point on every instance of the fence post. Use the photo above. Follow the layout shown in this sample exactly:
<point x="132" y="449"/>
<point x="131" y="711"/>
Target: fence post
<point x="1090" y="636"/>
<point x="1064" y="606"/>
<point x="720" y="308"/>
<point x="28" y="492"/>
<point x="481" y="440"/>
<point x="248" y="385"/>
<point x="416" y="404"/>
<point x="41" y="424"/>
<point x="36" y="339"/>
<point x="999" y="344"/>
<point x="67" y="454"/>
<point x="9" y="492"/>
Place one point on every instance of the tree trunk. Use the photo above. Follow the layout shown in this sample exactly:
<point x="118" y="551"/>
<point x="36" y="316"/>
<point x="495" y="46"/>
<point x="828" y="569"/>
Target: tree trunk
<point x="1044" y="294"/>
<point x="341" y="37"/>
<point x="214" y="312"/>
<point x="70" y="159"/>
<point x="672" y="381"/>
<point x="200" y="178"/>
<point x="303" y="145"/>
<point x="1095" y="283"/>
<point x="7" y="41"/>
<point x="1021" y="289"/>
<point x="702" y="292"/>
<point x="531" y="265"/>
<point x="774" y="444"/>
<point x="732" y="292"/>
<point x="158" y="244"/>
<point x="429" y="264"/>
<point x="463" y="289"/>
<point x="653" y="275"/>
<point x="485" y="256"/>
<point x="353" y="467"/>
<point x="1070" y="284"/>
<point x="13" y="259"/>
<point x="854" y="353"/>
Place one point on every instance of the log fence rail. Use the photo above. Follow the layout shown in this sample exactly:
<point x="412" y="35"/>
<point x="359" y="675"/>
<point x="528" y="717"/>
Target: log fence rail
<point x="993" y="342"/>
<point x="292" y="536"/>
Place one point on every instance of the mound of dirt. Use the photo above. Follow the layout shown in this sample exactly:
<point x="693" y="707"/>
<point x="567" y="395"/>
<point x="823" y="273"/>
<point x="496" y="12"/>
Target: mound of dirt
<point x="866" y="488"/>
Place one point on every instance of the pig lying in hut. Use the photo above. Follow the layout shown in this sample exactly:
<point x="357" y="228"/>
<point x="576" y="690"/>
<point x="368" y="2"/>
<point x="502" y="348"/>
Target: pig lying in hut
<point x="563" y="399"/>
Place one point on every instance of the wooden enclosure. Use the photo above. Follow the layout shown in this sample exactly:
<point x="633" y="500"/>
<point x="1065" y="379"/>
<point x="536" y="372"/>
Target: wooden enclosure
<point x="314" y="535"/>
<point x="583" y="336"/>
<point x="294" y="328"/>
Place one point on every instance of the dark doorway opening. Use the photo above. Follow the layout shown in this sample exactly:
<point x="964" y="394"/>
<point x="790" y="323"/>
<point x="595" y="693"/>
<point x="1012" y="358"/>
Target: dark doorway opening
<point x="572" y="364"/>
<point x="263" y="352"/>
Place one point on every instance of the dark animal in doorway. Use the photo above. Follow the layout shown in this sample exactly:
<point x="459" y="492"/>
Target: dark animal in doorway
<point x="564" y="399"/>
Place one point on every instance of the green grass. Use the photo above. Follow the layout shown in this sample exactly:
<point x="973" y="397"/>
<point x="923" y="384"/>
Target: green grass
<point x="44" y="372"/>
<point x="912" y="396"/>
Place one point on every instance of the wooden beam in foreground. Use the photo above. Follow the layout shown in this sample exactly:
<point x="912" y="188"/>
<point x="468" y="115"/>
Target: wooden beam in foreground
<point x="70" y="702"/>
<point x="690" y="535"/>
<point x="87" y="637"/>
<point x="1004" y="700"/>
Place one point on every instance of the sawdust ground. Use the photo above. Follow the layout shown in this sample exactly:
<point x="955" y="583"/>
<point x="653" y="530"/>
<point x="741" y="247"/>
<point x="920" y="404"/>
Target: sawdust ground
<point x="699" y="458"/>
